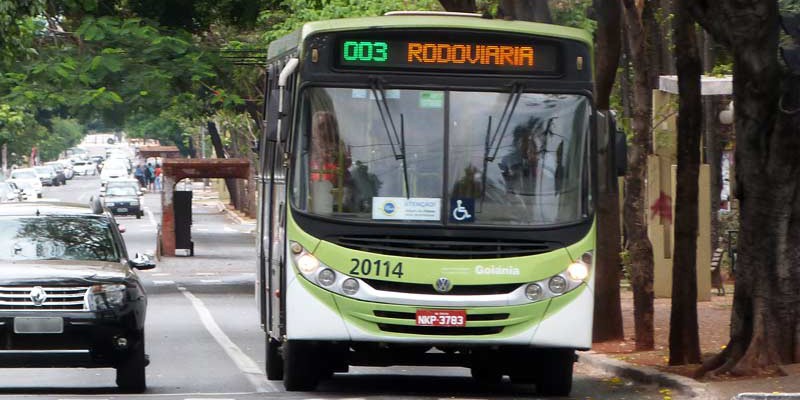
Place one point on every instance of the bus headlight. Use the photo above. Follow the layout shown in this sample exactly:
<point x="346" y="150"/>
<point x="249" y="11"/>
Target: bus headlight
<point x="557" y="284"/>
<point x="307" y="263"/>
<point x="350" y="286"/>
<point x="577" y="271"/>
<point x="326" y="277"/>
<point x="533" y="292"/>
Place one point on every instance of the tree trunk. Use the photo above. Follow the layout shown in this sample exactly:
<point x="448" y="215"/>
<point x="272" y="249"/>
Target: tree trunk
<point x="219" y="150"/>
<point x="764" y="322"/>
<point x="607" y="310"/>
<point x="526" y="10"/>
<point x="458" y="5"/>
<point x="638" y="23"/>
<point x="684" y="340"/>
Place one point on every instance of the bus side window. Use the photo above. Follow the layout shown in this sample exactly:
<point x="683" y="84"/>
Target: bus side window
<point x="271" y="112"/>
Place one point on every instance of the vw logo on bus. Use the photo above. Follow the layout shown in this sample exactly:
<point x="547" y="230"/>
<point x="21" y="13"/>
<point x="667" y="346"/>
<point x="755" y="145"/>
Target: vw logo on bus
<point x="38" y="295"/>
<point x="443" y="285"/>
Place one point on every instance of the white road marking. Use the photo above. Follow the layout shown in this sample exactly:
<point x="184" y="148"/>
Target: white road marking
<point x="150" y="217"/>
<point x="170" y="395"/>
<point x="210" y="281"/>
<point x="205" y="273"/>
<point x="164" y="282"/>
<point x="245" y="364"/>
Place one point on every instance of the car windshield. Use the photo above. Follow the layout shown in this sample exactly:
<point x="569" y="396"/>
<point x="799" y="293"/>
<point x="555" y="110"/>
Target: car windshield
<point x="121" y="191"/>
<point x="23" y="175"/>
<point x="57" y="238"/>
<point x="443" y="156"/>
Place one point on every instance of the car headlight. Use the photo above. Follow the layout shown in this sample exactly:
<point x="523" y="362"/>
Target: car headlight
<point x="110" y="204"/>
<point x="106" y="297"/>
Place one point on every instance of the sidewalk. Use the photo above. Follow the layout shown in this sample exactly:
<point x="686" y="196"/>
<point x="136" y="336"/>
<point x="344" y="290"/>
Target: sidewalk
<point x="651" y="366"/>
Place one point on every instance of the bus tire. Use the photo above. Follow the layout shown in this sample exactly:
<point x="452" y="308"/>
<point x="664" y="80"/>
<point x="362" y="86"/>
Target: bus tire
<point x="486" y="375"/>
<point x="300" y="366"/>
<point x="274" y="361"/>
<point x="556" y="378"/>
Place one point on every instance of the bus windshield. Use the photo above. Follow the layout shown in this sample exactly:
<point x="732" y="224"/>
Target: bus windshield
<point x="452" y="157"/>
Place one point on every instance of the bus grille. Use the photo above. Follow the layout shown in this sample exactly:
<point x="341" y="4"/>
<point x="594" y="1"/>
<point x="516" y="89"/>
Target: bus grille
<point x="446" y="248"/>
<point x="18" y="298"/>
<point x="426" y="288"/>
<point x="470" y="317"/>
<point x="441" y="330"/>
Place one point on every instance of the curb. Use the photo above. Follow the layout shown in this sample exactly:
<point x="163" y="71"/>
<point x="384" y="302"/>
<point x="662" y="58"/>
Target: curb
<point x="232" y="215"/>
<point x="648" y="375"/>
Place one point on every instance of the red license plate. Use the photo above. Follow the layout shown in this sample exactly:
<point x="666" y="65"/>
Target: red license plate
<point x="441" y="318"/>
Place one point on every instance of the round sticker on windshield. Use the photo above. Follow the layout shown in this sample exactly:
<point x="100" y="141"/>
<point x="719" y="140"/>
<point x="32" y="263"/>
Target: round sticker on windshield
<point x="389" y="208"/>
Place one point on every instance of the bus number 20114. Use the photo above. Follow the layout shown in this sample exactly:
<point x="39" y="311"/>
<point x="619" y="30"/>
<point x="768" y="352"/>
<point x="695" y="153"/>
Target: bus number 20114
<point x="366" y="267"/>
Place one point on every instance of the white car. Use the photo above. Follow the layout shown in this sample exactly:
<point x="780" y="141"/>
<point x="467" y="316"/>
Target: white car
<point x="84" y="168"/>
<point x="113" y="173"/>
<point x="27" y="180"/>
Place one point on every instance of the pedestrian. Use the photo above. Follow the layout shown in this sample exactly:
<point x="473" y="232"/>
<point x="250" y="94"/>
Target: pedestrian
<point x="158" y="174"/>
<point x="139" y="175"/>
<point x="149" y="176"/>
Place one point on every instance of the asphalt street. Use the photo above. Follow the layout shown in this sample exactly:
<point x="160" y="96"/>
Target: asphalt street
<point x="205" y="342"/>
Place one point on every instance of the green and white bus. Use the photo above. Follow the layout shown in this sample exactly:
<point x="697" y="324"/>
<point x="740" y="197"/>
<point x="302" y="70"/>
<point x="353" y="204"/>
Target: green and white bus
<point x="427" y="186"/>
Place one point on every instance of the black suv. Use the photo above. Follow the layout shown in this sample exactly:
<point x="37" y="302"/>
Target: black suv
<point x="69" y="295"/>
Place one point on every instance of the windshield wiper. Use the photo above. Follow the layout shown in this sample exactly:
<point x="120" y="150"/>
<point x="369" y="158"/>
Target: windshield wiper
<point x="398" y="149"/>
<point x="494" y="141"/>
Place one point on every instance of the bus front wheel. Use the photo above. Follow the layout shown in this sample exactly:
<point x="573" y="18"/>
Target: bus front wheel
<point x="274" y="361"/>
<point x="300" y="366"/>
<point x="556" y="378"/>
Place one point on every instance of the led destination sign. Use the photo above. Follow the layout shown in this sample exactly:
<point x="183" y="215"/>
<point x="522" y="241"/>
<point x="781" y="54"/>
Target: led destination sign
<point x="498" y="55"/>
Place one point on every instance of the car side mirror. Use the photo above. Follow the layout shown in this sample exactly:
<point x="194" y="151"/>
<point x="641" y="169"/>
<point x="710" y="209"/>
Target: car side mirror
<point x="142" y="262"/>
<point x="121" y="228"/>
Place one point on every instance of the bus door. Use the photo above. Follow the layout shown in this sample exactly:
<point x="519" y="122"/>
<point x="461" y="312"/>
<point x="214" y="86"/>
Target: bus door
<point x="266" y="162"/>
<point x="277" y="265"/>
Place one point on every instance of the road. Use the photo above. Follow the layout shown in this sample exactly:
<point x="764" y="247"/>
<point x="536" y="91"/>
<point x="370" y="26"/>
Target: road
<point x="204" y="339"/>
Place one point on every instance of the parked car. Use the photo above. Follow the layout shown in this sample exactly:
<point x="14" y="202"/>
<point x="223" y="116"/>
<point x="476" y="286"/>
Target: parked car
<point x="113" y="172"/>
<point x="69" y="172"/>
<point x="70" y="295"/>
<point x="84" y="167"/>
<point x="121" y="198"/>
<point x="27" y="180"/>
<point x="59" y="168"/>
<point x="10" y="193"/>
<point x="47" y="175"/>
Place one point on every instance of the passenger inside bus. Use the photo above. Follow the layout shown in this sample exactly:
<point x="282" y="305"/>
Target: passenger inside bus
<point x="329" y="163"/>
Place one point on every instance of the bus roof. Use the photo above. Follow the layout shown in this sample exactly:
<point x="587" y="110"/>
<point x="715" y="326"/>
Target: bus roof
<point x="294" y="39"/>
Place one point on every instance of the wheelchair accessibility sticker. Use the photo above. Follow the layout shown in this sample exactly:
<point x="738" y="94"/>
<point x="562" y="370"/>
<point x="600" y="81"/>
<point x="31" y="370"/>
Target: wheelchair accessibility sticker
<point x="462" y="210"/>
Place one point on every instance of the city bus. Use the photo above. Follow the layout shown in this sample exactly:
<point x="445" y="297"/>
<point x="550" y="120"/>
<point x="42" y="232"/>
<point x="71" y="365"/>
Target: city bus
<point x="426" y="198"/>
